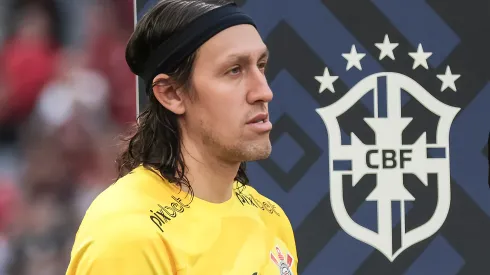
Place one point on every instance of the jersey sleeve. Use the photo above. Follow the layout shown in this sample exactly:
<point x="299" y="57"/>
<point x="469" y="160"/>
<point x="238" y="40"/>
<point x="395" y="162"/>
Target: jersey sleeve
<point x="121" y="248"/>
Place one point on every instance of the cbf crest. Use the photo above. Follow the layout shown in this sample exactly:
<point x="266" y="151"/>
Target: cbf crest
<point x="388" y="159"/>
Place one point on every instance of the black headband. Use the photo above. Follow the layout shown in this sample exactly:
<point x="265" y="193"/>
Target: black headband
<point x="180" y="45"/>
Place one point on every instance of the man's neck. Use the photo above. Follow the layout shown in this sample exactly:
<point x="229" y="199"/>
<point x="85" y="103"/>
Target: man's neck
<point x="211" y="179"/>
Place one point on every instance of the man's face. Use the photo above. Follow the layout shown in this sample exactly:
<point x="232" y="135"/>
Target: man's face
<point x="227" y="111"/>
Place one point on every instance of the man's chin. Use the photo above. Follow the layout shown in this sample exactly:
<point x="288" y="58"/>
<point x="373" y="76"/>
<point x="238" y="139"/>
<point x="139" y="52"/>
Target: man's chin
<point x="260" y="152"/>
<point x="259" y="157"/>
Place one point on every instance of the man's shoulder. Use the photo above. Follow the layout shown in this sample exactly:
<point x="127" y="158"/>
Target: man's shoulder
<point x="112" y="242"/>
<point x="271" y="213"/>
<point x="119" y="215"/>
<point x="133" y="191"/>
<point x="113" y="233"/>
<point x="132" y="196"/>
<point x="247" y="195"/>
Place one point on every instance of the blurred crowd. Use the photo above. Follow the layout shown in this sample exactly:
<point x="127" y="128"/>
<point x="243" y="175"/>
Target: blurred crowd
<point x="66" y="95"/>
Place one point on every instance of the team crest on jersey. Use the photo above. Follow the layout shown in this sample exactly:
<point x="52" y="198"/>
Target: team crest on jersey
<point x="388" y="159"/>
<point x="283" y="262"/>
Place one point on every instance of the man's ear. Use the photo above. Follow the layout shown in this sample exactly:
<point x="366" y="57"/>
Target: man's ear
<point x="167" y="94"/>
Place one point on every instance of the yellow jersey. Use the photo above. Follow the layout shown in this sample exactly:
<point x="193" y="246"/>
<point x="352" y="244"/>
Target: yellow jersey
<point x="143" y="225"/>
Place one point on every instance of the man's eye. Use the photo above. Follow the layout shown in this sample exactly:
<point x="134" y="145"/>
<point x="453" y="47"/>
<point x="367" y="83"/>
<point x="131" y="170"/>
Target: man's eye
<point x="235" y="70"/>
<point x="262" y="66"/>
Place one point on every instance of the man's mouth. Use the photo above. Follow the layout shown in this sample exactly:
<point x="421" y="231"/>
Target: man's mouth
<point x="259" y="118"/>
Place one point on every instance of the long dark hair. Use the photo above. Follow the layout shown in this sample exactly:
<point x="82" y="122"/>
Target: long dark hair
<point x="156" y="139"/>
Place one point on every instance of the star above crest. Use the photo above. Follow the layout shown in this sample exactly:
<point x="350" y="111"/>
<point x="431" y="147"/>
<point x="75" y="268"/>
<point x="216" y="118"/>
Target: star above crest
<point x="353" y="58"/>
<point x="420" y="57"/>
<point x="326" y="81"/>
<point x="448" y="79"/>
<point x="386" y="48"/>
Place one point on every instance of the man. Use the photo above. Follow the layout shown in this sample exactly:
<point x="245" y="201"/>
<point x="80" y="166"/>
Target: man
<point x="182" y="204"/>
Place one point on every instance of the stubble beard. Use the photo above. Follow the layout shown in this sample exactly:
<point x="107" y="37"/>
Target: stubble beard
<point x="239" y="151"/>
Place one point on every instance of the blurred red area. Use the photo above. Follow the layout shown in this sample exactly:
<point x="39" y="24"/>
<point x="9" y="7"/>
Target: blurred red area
<point x="66" y="95"/>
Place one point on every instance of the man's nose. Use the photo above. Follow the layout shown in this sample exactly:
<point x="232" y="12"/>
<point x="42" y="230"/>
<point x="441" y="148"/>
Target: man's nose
<point x="259" y="89"/>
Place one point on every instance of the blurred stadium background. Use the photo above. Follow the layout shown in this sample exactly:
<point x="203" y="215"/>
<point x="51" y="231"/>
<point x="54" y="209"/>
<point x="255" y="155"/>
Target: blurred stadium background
<point x="66" y="95"/>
